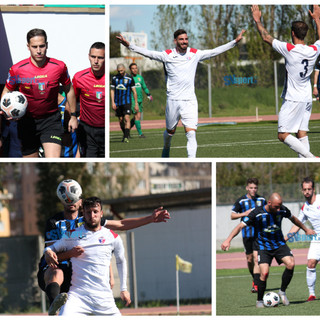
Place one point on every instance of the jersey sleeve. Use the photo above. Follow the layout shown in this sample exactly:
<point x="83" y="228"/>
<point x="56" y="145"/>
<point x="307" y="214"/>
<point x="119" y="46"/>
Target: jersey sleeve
<point x="144" y="86"/>
<point x="121" y="262"/>
<point x="302" y="217"/>
<point x="155" y="55"/>
<point x="287" y="212"/>
<point x="249" y="219"/>
<point x="236" y="208"/>
<point x="113" y="83"/>
<point x="12" y="80"/>
<point x="76" y="88"/>
<point x="58" y="246"/>
<point x="207" y="54"/>
<point x="65" y="78"/>
<point x="282" y="47"/>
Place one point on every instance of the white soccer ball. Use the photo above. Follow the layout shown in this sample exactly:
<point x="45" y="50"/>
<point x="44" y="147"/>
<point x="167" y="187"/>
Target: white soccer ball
<point x="14" y="104"/>
<point x="69" y="191"/>
<point x="271" y="299"/>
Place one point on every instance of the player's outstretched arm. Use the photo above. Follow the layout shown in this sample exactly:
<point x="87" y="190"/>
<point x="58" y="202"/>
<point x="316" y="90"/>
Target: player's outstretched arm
<point x="256" y="14"/>
<point x="123" y="40"/>
<point x="291" y="232"/>
<point x="239" y="37"/>
<point x="159" y="215"/>
<point x="316" y="17"/>
<point x="299" y="224"/>
<point x="226" y="244"/>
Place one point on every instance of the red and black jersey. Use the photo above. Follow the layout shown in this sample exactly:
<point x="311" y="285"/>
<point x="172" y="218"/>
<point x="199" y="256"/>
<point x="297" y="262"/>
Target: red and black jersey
<point x="91" y="92"/>
<point x="39" y="84"/>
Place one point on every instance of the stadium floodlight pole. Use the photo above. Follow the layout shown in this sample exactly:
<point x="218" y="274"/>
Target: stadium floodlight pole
<point x="276" y="85"/>
<point x="209" y="90"/>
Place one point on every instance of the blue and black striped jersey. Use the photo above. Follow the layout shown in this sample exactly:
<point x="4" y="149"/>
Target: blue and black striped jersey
<point x="122" y="86"/>
<point x="242" y="205"/>
<point x="268" y="227"/>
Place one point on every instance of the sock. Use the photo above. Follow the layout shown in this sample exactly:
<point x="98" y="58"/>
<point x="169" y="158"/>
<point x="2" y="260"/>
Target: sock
<point x="126" y="133"/>
<point x="297" y="146"/>
<point x="138" y="126"/>
<point x="261" y="289"/>
<point x="191" y="144"/>
<point x="251" y="272"/>
<point x="122" y="126"/>
<point x="311" y="280"/>
<point x="286" y="278"/>
<point x="166" y="144"/>
<point x="52" y="290"/>
<point x="132" y="122"/>
<point x="256" y="277"/>
<point x="305" y="142"/>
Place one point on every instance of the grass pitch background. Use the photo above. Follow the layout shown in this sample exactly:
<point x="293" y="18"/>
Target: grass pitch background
<point x="233" y="295"/>
<point x="250" y="140"/>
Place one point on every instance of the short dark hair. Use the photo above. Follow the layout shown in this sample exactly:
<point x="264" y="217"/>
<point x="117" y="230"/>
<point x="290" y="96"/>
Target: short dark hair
<point x="307" y="180"/>
<point x="300" y="29"/>
<point x="132" y="64"/>
<point x="98" y="45"/>
<point x="36" y="33"/>
<point x="253" y="180"/>
<point x="91" y="202"/>
<point x="178" y="33"/>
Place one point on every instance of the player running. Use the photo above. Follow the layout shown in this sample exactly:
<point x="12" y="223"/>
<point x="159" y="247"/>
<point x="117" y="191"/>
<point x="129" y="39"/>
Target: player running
<point x="140" y="86"/>
<point x="38" y="78"/>
<point x="90" y="293"/>
<point x="300" y="59"/>
<point x="270" y="242"/>
<point x="242" y="207"/>
<point x="310" y="211"/>
<point x="89" y="87"/>
<point x="180" y="68"/>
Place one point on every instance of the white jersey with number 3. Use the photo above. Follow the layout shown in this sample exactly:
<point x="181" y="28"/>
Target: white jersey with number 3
<point x="300" y="60"/>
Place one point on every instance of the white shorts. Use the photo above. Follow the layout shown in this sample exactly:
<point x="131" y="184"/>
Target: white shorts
<point x="294" y="116"/>
<point x="88" y="305"/>
<point x="186" y="110"/>
<point x="314" y="250"/>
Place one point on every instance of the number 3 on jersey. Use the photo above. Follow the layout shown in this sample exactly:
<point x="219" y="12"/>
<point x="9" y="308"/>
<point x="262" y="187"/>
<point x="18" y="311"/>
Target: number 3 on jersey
<point x="306" y="63"/>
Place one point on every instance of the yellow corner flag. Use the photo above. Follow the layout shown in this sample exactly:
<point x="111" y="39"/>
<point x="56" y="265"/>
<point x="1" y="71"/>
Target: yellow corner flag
<point x="183" y="265"/>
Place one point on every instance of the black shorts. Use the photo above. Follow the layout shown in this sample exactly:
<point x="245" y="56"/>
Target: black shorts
<point x="266" y="256"/>
<point x="91" y="140"/>
<point x="249" y="245"/>
<point x="34" y="132"/>
<point x="123" y="110"/>
<point x="67" y="273"/>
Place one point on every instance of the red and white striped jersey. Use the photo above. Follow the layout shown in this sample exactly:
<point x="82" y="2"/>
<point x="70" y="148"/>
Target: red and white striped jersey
<point x="181" y="69"/>
<point x="300" y="60"/>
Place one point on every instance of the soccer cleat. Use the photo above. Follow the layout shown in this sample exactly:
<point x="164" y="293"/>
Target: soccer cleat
<point x="311" y="298"/>
<point x="284" y="298"/>
<point x="126" y="140"/>
<point x="254" y="288"/>
<point x="259" y="304"/>
<point x="57" y="303"/>
<point x="142" y="136"/>
<point x="165" y="152"/>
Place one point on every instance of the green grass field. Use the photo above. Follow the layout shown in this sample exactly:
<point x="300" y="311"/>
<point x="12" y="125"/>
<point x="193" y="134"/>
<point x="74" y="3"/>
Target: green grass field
<point x="234" y="297"/>
<point x="251" y="140"/>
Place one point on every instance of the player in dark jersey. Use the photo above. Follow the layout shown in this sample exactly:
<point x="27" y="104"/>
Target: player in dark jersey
<point x="38" y="78"/>
<point x="270" y="242"/>
<point x="242" y="207"/>
<point x="54" y="280"/>
<point x="89" y="86"/>
<point x="122" y="85"/>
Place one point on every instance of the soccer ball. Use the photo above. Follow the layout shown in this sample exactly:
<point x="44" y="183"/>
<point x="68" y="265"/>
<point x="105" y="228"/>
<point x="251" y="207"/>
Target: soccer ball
<point x="271" y="299"/>
<point x="14" y="104"/>
<point x="69" y="191"/>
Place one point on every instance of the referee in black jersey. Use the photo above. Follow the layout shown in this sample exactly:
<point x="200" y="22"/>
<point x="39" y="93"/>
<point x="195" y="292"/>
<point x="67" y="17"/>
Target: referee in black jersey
<point x="270" y="242"/>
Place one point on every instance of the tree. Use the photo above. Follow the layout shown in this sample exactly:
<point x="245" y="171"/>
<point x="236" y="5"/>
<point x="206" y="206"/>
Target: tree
<point x="114" y="44"/>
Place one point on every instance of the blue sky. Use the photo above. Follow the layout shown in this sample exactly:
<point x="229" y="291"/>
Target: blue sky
<point x="141" y="17"/>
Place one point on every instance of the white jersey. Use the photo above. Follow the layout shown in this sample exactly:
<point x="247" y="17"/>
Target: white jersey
<point x="300" y="60"/>
<point x="181" y="69"/>
<point x="90" y="271"/>
<point x="311" y="212"/>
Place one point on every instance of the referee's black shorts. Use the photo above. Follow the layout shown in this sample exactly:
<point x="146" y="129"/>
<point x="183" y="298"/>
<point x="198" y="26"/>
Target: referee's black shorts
<point x="266" y="256"/>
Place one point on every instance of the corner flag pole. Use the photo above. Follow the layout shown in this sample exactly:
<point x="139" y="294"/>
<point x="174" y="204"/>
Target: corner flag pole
<point x="178" y="294"/>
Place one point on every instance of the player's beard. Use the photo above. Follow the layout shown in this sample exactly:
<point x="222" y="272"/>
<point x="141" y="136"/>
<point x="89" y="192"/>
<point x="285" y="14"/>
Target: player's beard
<point x="92" y="225"/>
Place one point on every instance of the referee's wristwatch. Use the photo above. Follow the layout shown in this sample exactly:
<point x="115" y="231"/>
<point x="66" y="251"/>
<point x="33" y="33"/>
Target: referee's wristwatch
<point x="73" y="114"/>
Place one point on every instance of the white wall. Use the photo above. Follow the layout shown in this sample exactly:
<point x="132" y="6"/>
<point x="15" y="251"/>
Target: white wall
<point x="188" y="234"/>
<point x="70" y="36"/>
<point x="224" y="224"/>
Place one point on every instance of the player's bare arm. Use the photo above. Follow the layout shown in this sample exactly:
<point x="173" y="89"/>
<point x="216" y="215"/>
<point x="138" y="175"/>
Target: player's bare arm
<point x="226" y="244"/>
<point x="235" y="216"/>
<point x="125" y="296"/>
<point x="256" y="14"/>
<point x="123" y="41"/>
<point x="159" y="215"/>
<point x="135" y="97"/>
<point x="315" y="91"/>
<point x="299" y="224"/>
<point x="291" y="232"/>
<point x="316" y="17"/>
<point x="72" y="253"/>
<point x="114" y="106"/>
<point x="51" y="258"/>
<point x="239" y="37"/>
<point x="71" y="97"/>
